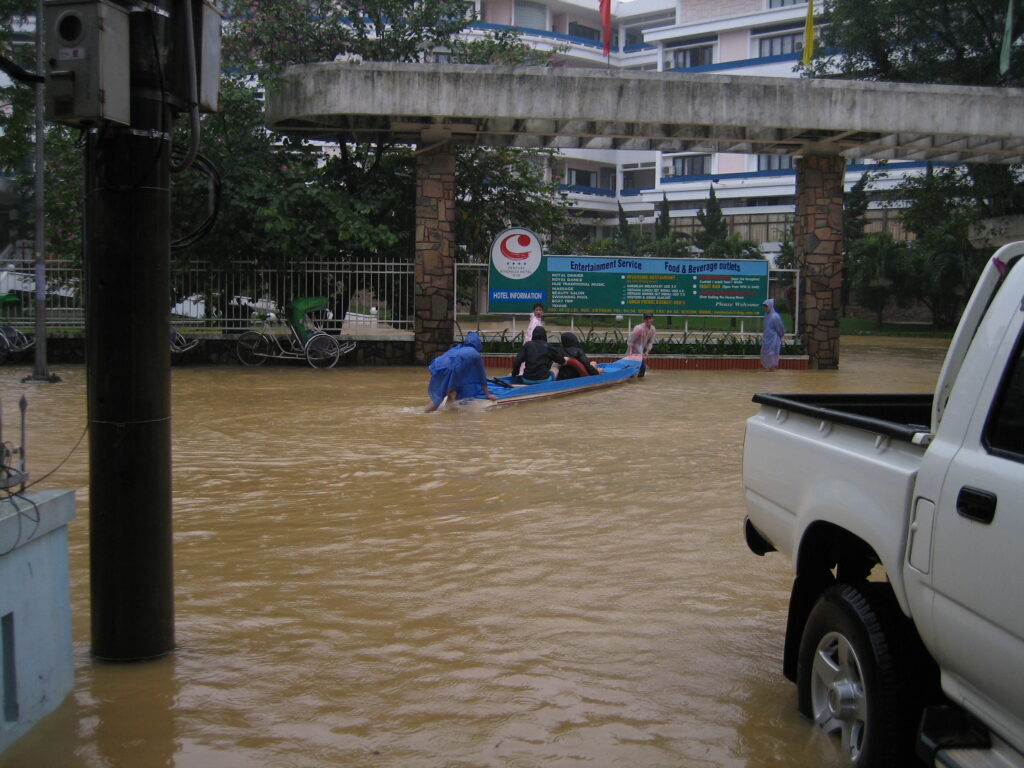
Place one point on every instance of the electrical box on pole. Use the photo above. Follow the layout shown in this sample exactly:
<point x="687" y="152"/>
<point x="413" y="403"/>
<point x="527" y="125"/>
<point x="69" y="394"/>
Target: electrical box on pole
<point x="205" y="39"/>
<point x="87" y="62"/>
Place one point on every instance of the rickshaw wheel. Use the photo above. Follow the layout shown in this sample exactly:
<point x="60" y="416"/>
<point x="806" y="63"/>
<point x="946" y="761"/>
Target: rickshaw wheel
<point x="322" y="351"/>
<point x="253" y="348"/>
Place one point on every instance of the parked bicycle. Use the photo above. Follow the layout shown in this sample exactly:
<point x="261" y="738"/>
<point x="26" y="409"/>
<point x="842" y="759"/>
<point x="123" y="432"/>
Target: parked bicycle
<point x="306" y="339"/>
<point x="180" y="342"/>
<point x="13" y="341"/>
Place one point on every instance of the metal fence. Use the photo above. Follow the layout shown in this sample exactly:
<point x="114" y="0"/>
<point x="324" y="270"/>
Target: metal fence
<point x="365" y="294"/>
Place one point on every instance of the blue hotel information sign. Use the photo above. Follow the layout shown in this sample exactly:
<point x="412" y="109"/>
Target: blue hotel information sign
<point x="626" y="285"/>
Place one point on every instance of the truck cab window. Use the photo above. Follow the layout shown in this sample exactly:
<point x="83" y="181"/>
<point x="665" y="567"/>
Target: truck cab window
<point x="1004" y="433"/>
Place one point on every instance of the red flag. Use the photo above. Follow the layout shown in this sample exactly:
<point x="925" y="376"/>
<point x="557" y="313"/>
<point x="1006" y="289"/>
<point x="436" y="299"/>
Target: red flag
<point x="606" y="24"/>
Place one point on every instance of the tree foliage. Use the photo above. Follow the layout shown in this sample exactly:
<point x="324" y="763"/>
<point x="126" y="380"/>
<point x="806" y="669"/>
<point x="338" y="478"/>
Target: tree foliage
<point x="879" y="269"/>
<point x="266" y="35"/>
<point x="310" y="201"/>
<point x="917" y="41"/>
<point x="502" y="187"/>
<point x="945" y="264"/>
<point x="714" y="238"/>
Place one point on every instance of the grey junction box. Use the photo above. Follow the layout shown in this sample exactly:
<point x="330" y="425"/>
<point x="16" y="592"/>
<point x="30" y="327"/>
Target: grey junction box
<point x="88" y="65"/>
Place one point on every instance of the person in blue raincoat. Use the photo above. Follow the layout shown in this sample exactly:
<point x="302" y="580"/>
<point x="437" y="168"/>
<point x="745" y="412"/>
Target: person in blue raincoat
<point x="458" y="373"/>
<point x="771" y="341"/>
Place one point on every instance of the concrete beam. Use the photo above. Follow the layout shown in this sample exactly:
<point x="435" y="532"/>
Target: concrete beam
<point x="862" y="119"/>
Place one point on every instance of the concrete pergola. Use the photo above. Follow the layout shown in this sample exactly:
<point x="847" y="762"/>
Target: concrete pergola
<point x="822" y="122"/>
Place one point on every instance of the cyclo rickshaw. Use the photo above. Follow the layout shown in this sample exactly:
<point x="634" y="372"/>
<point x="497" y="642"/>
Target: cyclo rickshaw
<point x="12" y="340"/>
<point x="305" y="340"/>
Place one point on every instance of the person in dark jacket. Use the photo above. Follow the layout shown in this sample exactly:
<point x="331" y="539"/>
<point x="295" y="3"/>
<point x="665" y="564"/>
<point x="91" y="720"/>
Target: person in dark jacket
<point x="572" y="349"/>
<point x="538" y="356"/>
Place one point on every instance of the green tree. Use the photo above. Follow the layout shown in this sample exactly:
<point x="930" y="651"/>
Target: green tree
<point x="360" y="201"/>
<point x="855" y="208"/>
<point x="918" y="41"/>
<point x="267" y="36"/>
<point x="714" y="238"/>
<point x="945" y="264"/>
<point x="879" y="269"/>
<point x="713" y="228"/>
<point x="498" y="188"/>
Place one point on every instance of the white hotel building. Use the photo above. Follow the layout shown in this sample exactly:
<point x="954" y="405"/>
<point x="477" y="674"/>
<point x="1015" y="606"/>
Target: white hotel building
<point x="734" y="37"/>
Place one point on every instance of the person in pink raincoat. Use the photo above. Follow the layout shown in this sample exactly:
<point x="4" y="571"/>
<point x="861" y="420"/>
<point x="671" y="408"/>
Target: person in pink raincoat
<point x="641" y="339"/>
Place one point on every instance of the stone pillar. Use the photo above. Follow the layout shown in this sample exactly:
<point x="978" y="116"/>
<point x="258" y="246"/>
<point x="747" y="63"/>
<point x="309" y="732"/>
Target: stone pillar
<point x="818" y="244"/>
<point x="435" y="252"/>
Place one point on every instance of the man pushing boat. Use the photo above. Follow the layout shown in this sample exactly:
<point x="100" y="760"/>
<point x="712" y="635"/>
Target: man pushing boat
<point x="458" y="374"/>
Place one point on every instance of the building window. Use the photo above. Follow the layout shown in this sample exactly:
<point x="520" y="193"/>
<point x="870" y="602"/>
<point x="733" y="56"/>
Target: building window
<point x="785" y="3"/>
<point x="580" y="178"/>
<point x="578" y="30"/>
<point x="693" y="53"/>
<point x="693" y="57"/>
<point x="688" y="165"/>
<point x="531" y="15"/>
<point x="776" y="45"/>
<point x="775" y="162"/>
<point x="642" y="178"/>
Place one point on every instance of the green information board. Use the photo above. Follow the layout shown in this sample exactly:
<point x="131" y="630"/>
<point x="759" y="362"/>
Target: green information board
<point x="627" y="285"/>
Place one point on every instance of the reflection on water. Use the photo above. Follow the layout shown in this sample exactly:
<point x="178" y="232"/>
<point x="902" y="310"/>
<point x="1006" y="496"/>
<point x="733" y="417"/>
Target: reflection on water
<point x="360" y="583"/>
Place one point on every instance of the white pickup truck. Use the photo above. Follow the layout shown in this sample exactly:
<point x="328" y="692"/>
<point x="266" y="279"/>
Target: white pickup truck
<point x="903" y="519"/>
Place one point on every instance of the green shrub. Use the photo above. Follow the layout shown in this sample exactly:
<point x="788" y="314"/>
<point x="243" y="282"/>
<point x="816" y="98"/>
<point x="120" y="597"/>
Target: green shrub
<point x="613" y="342"/>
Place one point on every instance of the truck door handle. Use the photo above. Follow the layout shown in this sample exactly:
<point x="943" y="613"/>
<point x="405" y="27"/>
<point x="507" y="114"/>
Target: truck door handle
<point x="976" y="504"/>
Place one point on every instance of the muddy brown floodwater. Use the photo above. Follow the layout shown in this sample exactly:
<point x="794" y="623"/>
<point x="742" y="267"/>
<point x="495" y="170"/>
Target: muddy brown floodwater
<point x="362" y="584"/>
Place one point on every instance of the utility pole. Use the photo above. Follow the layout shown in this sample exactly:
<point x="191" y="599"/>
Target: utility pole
<point x="127" y="280"/>
<point x="123" y="70"/>
<point x="40" y="371"/>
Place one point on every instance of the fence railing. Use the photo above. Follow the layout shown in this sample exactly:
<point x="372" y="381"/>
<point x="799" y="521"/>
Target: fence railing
<point x="366" y="294"/>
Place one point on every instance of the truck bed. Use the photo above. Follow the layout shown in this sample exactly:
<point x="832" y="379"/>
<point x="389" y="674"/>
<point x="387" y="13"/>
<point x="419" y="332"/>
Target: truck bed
<point x="897" y="416"/>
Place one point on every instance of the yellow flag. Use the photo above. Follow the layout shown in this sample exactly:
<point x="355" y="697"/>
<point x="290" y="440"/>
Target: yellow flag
<point x="809" y="34"/>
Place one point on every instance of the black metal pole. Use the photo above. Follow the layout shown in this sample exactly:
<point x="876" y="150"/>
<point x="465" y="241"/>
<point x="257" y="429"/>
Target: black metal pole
<point x="40" y="370"/>
<point x="127" y="266"/>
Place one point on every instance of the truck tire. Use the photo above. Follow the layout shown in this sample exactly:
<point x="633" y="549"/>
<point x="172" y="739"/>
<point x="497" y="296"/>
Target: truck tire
<point x="852" y="678"/>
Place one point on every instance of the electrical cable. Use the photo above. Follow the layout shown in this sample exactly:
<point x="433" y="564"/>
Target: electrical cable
<point x="22" y="513"/>
<point x="205" y="165"/>
<point x="62" y="461"/>
<point x="193" y="93"/>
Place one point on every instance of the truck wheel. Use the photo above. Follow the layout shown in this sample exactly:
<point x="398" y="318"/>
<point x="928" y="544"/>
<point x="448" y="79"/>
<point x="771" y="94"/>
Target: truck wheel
<point x="850" y="678"/>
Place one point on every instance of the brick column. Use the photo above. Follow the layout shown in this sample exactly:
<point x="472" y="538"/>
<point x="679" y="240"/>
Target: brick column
<point x="819" y="254"/>
<point x="435" y="252"/>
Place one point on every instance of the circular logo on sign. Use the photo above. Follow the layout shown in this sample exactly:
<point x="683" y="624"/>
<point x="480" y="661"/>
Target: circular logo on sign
<point x="516" y="253"/>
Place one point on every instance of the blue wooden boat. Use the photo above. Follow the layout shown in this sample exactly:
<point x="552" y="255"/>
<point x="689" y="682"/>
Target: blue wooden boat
<point x="507" y="392"/>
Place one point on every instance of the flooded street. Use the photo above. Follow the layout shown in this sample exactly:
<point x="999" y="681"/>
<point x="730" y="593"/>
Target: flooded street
<point x="359" y="583"/>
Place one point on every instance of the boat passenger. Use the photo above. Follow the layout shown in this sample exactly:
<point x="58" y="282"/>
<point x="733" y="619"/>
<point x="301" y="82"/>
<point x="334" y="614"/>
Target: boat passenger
<point x="641" y="339"/>
<point x="573" y="351"/>
<point x="536" y="357"/>
<point x="458" y="374"/>
<point x="536" y="319"/>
